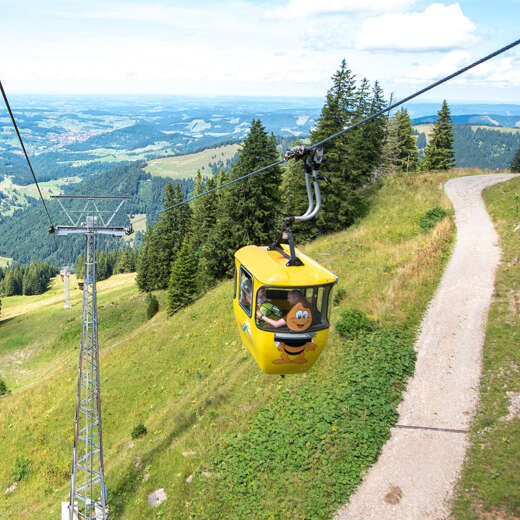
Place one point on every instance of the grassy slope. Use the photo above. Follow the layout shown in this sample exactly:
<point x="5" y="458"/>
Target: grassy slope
<point x="490" y="483"/>
<point x="185" y="166"/>
<point x="192" y="384"/>
<point x="20" y="194"/>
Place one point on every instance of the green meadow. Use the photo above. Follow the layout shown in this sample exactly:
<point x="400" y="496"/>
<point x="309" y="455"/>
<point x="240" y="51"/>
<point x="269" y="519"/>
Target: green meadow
<point x="223" y="439"/>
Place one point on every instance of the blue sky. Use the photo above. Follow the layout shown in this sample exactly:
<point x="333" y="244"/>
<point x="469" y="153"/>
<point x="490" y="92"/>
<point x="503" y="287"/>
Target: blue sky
<point x="259" y="48"/>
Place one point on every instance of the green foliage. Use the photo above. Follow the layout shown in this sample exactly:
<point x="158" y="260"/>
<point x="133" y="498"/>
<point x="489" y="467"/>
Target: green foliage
<point x="22" y="469"/>
<point x="326" y="431"/>
<point x="27" y="280"/>
<point x="430" y="219"/>
<point x="202" y="223"/>
<point x="26" y="239"/>
<point x="203" y="380"/>
<point x="163" y="241"/>
<point x="152" y="306"/>
<point x="109" y="263"/>
<point x="350" y="160"/>
<point x="139" y="430"/>
<point x="248" y="212"/>
<point x="145" y="277"/>
<point x="484" y="148"/>
<point x="353" y="322"/>
<point x="515" y="163"/>
<point x="438" y="154"/>
<point x="3" y="387"/>
<point x="183" y="280"/>
<point x="400" y="151"/>
<point x="339" y="295"/>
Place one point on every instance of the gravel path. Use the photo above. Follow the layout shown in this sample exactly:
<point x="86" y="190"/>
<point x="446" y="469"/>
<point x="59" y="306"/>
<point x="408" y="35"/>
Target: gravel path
<point x="414" y="476"/>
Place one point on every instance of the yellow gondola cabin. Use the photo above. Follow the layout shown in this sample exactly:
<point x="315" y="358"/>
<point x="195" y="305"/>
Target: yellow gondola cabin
<point x="282" y="311"/>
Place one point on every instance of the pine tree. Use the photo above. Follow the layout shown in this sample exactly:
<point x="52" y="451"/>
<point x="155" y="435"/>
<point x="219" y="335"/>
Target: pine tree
<point x="400" y="151"/>
<point x="167" y="236"/>
<point x="373" y="134"/>
<point x="515" y="163"/>
<point x="438" y="154"/>
<point x="249" y="212"/>
<point x="145" y="277"/>
<point x="204" y="213"/>
<point x="182" y="285"/>
<point x="343" y="160"/>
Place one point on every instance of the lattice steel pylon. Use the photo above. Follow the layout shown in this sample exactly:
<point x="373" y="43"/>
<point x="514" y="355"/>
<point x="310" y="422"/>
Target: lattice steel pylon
<point x="88" y="494"/>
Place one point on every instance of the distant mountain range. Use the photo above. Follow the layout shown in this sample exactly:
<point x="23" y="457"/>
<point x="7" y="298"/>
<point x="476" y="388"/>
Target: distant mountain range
<point x="475" y="119"/>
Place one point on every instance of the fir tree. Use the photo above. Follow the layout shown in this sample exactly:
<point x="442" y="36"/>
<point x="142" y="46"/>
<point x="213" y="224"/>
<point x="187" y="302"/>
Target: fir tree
<point x="438" y="154"/>
<point x="349" y="160"/>
<point x="145" y="277"/>
<point x="249" y="212"/>
<point x="204" y="213"/>
<point x="515" y="163"/>
<point x="400" y="150"/>
<point x="373" y="133"/>
<point x="183" y="280"/>
<point x="167" y="236"/>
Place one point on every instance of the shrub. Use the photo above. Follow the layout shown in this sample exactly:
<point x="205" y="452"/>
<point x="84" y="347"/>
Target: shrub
<point x="138" y="431"/>
<point x="320" y="435"/>
<point x="339" y="295"/>
<point x="22" y="468"/>
<point x="431" y="217"/>
<point x="3" y="387"/>
<point x="352" y="322"/>
<point x="152" y="305"/>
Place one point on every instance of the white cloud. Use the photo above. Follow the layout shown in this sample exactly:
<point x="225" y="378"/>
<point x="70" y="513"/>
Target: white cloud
<point x="438" y="28"/>
<point x="431" y="71"/>
<point x="304" y="8"/>
<point x="503" y="72"/>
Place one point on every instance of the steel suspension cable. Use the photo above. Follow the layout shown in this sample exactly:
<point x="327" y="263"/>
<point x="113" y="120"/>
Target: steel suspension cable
<point x="25" y="153"/>
<point x="418" y="93"/>
<point x="347" y="129"/>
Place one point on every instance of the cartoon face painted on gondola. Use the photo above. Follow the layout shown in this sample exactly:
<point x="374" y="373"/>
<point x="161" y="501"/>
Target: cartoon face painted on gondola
<point x="299" y="318"/>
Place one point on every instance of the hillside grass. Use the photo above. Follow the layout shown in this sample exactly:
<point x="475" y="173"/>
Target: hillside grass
<point x="255" y="446"/>
<point x="19" y="195"/>
<point x="185" y="166"/>
<point x="39" y="336"/>
<point x="490" y="482"/>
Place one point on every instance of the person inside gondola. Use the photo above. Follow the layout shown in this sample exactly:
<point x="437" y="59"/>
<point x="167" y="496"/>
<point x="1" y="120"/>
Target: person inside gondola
<point x="266" y="308"/>
<point x="295" y="298"/>
<point x="245" y="295"/>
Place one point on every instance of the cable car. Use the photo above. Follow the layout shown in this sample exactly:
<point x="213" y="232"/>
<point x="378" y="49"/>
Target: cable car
<point x="281" y="296"/>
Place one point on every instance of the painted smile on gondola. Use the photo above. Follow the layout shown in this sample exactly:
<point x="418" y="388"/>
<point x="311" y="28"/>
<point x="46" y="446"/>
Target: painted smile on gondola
<point x="299" y="318"/>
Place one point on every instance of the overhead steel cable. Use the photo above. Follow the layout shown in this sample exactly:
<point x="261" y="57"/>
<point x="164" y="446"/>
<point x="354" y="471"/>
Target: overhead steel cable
<point x="26" y="155"/>
<point x="260" y="170"/>
<point x="418" y="93"/>
<point x="347" y="129"/>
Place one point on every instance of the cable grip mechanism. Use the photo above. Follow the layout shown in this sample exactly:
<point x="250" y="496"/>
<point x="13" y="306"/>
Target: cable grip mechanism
<point x="312" y="157"/>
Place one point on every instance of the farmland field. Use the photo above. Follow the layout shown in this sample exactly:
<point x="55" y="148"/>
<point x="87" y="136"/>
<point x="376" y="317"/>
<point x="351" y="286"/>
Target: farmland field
<point x="185" y="166"/>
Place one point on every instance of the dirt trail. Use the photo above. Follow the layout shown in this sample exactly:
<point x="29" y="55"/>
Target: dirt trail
<point x="414" y="476"/>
